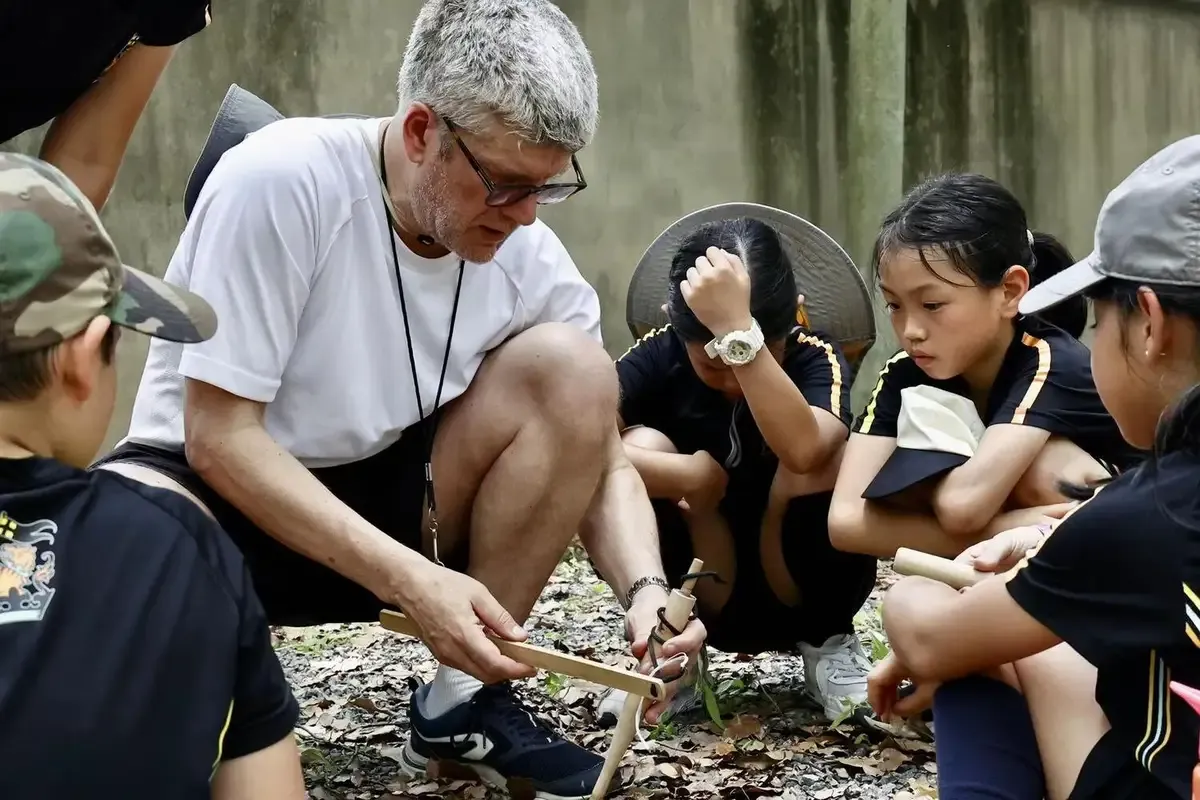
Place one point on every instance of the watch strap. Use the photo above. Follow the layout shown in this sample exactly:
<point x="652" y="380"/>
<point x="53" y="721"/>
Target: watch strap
<point x="716" y="347"/>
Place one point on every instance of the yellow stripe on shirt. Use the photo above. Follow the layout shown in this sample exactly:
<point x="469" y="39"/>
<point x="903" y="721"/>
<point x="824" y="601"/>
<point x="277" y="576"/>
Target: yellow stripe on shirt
<point x="648" y="336"/>
<point x="835" y="368"/>
<point x="1191" y="615"/>
<point x="1039" y="377"/>
<point x="869" y="417"/>
<point x="221" y="740"/>
<point x="1158" y="713"/>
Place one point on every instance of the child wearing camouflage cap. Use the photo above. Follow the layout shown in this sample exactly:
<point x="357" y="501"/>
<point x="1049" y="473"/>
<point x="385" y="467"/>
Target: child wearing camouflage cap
<point x="133" y="650"/>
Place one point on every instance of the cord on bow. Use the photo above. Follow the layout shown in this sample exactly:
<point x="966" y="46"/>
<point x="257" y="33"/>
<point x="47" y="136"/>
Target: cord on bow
<point x="655" y="639"/>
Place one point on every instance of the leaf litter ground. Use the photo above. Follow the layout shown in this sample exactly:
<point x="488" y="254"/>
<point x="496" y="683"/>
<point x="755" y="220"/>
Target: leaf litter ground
<point x="771" y="741"/>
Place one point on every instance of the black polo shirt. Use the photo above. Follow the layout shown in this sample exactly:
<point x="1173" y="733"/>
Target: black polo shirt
<point x="134" y="655"/>
<point x="1119" y="581"/>
<point x="1045" y="381"/>
<point x="659" y="389"/>
<point x="52" y="51"/>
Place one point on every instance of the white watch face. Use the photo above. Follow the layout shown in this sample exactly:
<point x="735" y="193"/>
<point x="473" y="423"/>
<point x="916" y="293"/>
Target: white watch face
<point x="739" y="350"/>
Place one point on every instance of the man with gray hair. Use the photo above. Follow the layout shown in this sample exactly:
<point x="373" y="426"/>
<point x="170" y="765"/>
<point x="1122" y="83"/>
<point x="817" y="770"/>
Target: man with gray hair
<point x="394" y="321"/>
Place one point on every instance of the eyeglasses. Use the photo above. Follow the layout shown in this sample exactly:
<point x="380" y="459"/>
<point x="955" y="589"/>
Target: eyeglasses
<point x="509" y="193"/>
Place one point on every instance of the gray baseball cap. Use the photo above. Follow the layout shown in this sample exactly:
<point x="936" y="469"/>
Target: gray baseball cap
<point x="1148" y="230"/>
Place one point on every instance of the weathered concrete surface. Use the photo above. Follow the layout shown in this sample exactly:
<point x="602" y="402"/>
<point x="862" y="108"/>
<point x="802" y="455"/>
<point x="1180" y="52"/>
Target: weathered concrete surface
<point x="704" y="101"/>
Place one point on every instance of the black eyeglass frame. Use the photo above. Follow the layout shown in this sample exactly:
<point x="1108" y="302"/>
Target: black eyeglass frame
<point x="510" y="193"/>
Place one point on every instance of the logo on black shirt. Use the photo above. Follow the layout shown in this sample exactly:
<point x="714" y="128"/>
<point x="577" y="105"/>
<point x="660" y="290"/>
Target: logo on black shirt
<point x="26" y="569"/>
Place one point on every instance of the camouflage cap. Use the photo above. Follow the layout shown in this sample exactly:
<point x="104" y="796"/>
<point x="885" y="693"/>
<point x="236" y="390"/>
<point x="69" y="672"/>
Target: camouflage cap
<point x="59" y="269"/>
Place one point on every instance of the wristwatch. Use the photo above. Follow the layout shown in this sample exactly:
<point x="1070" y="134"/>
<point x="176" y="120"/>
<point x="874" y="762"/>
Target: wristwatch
<point x="737" y="347"/>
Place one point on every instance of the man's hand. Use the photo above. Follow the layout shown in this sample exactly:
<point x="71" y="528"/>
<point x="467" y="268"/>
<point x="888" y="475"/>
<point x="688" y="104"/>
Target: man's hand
<point x="705" y="482"/>
<point x="1003" y="551"/>
<point x="717" y="290"/>
<point x="883" y="685"/>
<point x="640" y="620"/>
<point x="453" y="610"/>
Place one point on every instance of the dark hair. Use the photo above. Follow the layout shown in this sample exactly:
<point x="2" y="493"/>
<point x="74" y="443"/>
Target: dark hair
<point x="24" y="376"/>
<point x="1178" y="429"/>
<point x="772" y="285"/>
<point x="982" y="229"/>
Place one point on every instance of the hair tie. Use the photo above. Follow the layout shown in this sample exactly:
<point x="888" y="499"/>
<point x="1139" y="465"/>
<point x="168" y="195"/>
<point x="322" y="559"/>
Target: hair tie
<point x="1029" y="236"/>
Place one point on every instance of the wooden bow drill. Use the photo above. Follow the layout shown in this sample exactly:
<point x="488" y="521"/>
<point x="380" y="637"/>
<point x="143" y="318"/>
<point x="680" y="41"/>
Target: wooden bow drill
<point x="673" y="619"/>
<point x="951" y="573"/>
<point x="636" y="684"/>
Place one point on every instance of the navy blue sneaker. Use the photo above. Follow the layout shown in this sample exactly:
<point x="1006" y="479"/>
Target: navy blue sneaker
<point x="498" y="739"/>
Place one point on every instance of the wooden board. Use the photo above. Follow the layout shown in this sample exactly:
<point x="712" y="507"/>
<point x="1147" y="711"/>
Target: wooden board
<point x="550" y="660"/>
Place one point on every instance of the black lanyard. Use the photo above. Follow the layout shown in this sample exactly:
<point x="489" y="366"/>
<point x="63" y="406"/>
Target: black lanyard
<point x="412" y="358"/>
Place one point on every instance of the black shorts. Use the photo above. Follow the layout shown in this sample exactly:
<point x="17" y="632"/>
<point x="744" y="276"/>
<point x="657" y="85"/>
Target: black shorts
<point x="1110" y="773"/>
<point x="833" y="585"/>
<point x="387" y="489"/>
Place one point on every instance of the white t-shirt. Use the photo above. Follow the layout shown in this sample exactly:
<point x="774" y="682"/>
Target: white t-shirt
<point x="289" y="243"/>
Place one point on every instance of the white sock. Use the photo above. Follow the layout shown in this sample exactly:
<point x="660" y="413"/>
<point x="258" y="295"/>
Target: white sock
<point x="450" y="688"/>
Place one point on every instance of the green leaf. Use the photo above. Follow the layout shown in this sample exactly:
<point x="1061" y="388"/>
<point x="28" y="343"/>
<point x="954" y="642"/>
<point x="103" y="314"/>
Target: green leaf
<point x="712" y="707"/>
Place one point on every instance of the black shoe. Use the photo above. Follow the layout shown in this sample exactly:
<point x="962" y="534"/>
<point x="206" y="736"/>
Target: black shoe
<point x="498" y="739"/>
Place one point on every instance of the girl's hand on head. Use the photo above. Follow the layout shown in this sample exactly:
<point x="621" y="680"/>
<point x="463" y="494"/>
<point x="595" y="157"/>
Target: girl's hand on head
<point x="717" y="290"/>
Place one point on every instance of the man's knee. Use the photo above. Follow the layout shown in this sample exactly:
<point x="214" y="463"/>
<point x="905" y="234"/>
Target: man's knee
<point x="565" y="373"/>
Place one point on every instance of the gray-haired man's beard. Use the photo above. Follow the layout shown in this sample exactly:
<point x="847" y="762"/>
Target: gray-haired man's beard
<point x="433" y="211"/>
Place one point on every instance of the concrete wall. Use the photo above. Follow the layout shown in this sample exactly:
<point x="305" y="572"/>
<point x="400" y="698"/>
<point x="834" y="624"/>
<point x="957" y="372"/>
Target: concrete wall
<point x="704" y="101"/>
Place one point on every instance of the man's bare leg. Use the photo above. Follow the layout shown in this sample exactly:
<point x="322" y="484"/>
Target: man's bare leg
<point x="516" y="462"/>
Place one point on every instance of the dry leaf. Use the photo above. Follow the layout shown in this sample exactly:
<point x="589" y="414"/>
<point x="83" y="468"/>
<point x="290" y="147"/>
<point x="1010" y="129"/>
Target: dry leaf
<point x="741" y="727"/>
<point x="352" y="683"/>
<point x="891" y="759"/>
<point x="421" y="789"/>
<point x="365" y="703"/>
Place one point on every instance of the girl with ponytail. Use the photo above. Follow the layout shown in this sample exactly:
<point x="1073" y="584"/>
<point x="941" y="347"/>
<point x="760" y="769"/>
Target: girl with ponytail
<point x="1052" y="678"/>
<point x="975" y="422"/>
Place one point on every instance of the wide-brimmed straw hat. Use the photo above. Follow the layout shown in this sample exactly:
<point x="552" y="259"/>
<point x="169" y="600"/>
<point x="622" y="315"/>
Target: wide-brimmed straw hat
<point x="836" y="300"/>
<point x="240" y="114"/>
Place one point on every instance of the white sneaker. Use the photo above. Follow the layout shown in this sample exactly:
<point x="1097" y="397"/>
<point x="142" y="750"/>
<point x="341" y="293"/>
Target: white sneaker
<point x="835" y="674"/>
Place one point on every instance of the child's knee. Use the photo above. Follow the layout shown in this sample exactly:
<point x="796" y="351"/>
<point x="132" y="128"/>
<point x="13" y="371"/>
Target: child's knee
<point x="648" y="439"/>
<point x="787" y="485"/>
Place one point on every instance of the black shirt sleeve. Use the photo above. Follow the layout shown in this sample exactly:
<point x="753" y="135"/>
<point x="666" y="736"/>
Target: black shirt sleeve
<point x="820" y="370"/>
<point x="642" y="374"/>
<point x="879" y="416"/>
<point x="1108" y="578"/>
<point x="1052" y="388"/>
<point x="264" y="709"/>
<point x="162" y="24"/>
